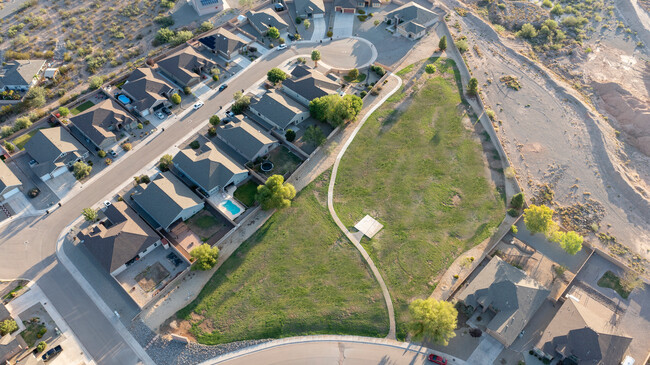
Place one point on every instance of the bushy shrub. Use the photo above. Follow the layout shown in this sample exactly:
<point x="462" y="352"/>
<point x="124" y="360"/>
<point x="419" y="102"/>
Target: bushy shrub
<point x="290" y="135"/>
<point x="430" y="68"/>
<point x="513" y="212"/>
<point x="195" y="145"/>
<point x="127" y="146"/>
<point x="101" y="153"/>
<point x="212" y="131"/>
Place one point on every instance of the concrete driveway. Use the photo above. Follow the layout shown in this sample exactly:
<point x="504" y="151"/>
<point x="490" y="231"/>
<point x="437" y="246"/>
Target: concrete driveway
<point x="343" y="25"/>
<point x="319" y="29"/>
<point x="486" y="352"/>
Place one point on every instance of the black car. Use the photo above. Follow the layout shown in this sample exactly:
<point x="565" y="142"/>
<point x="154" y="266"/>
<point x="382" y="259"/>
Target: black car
<point x="166" y="111"/>
<point x="52" y="353"/>
<point x="291" y="36"/>
<point x="223" y="87"/>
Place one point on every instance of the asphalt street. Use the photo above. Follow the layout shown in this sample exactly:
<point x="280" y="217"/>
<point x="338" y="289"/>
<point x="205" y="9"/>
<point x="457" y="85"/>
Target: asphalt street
<point x="28" y="245"/>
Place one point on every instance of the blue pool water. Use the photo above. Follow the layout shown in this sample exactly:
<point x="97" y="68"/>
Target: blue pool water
<point x="231" y="207"/>
<point x="124" y="99"/>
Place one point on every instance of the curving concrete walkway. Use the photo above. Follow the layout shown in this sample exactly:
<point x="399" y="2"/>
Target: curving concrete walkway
<point x="357" y="244"/>
<point x="331" y="349"/>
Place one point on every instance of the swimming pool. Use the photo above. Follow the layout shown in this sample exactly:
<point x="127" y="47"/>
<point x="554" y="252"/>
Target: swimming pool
<point x="124" y="99"/>
<point x="231" y="207"/>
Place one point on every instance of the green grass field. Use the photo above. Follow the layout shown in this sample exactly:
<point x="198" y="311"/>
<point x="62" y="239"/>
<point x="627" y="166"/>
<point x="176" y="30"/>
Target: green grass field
<point x="610" y="280"/>
<point x="297" y="275"/>
<point x="81" y="107"/>
<point x="246" y="193"/>
<point x="419" y="172"/>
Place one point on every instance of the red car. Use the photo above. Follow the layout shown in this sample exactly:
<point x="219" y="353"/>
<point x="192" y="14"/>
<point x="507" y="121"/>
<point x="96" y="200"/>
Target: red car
<point x="437" y="359"/>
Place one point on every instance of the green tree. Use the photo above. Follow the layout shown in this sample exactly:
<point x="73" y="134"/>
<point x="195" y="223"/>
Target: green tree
<point x="527" y="31"/>
<point x="241" y="103"/>
<point x="181" y="37"/>
<point x="101" y="153"/>
<point x="276" y="75"/>
<point x="442" y="44"/>
<point x="6" y="131"/>
<point x="320" y="108"/>
<point x="127" y="146"/>
<point x="204" y="257"/>
<point x="41" y="346"/>
<point x="35" y="97"/>
<point x="306" y="23"/>
<point x="8" y="326"/>
<point x="314" y="135"/>
<point x="539" y="219"/>
<point x="206" y="26"/>
<point x="517" y="201"/>
<point x="63" y="111"/>
<point x="22" y="123"/>
<point x="571" y="242"/>
<point x="275" y="193"/>
<point x="290" y="135"/>
<point x="95" y="82"/>
<point x="273" y="32"/>
<point x="187" y="90"/>
<point x="176" y="99"/>
<point x="89" y="214"/>
<point x="9" y="147"/>
<point x="81" y="170"/>
<point x="215" y="120"/>
<point x="164" y="35"/>
<point x="433" y="319"/>
<point x="547" y="4"/>
<point x="346" y="109"/>
<point x="315" y="56"/>
<point x="472" y="86"/>
<point x="430" y="68"/>
<point x="353" y="74"/>
<point x="165" y="162"/>
<point x="462" y="45"/>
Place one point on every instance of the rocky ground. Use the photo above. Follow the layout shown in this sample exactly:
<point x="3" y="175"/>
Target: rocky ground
<point x="555" y="138"/>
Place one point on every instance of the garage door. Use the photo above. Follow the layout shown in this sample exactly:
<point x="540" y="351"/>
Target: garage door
<point x="46" y="177"/>
<point x="319" y="15"/>
<point x="10" y="193"/>
<point x="59" y="171"/>
<point x="348" y="11"/>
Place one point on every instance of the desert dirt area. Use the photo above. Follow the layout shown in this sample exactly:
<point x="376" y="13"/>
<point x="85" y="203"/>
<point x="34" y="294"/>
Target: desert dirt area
<point x="564" y="151"/>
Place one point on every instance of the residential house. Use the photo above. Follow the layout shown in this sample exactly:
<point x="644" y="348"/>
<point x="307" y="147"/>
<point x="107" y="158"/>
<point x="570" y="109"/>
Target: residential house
<point x="185" y="67"/>
<point x="411" y="20"/>
<point x="20" y="75"/>
<point x="120" y="239"/>
<point x="205" y="7"/>
<point x="370" y="3"/>
<point x="148" y="91"/>
<point x="264" y="19"/>
<point x="245" y="138"/>
<point x="310" y="8"/>
<point x="167" y="200"/>
<point x="506" y="295"/>
<point x="306" y="84"/>
<point x="54" y="151"/>
<point x="102" y="124"/>
<point x="279" y="110"/>
<point x="582" y="333"/>
<point x="209" y="169"/>
<point x="9" y="183"/>
<point x="11" y="344"/>
<point x="224" y="43"/>
<point x="348" y="6"/>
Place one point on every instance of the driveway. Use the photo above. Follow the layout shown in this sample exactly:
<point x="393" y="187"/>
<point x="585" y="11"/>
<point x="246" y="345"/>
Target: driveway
<point x="486" y="352"/>
<point x="20" y="167"/>
<point x="319" y="29"/>
<point x="62" y="184"/>
<point x="343" y="25"/>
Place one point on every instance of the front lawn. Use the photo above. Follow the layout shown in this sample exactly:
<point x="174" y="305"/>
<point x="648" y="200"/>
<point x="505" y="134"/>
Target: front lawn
<point x="418" y="170"/>
<point x="246" y="193"/>
<point x="610" y="280"/>
<point x="81" y="107"/>
<point x="21" y="140"/>
<point x="297" y="275"/>
<point x="33" y="332"/>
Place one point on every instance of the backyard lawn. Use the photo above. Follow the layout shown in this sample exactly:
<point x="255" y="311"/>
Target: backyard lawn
<point x="81" y="107"/>
<point x="20" y="141"/>
<point x="297" y="275"/>
<point x="284" y="161"/>
<point x="610" y="280"/>
<point x="417" y="170"/>
<point x="246" y="193"/>
<point x="204" y="224"/>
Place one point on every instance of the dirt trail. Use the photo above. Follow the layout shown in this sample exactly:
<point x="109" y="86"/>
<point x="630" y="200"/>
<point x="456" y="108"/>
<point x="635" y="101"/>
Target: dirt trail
<point x="552" y="137"/>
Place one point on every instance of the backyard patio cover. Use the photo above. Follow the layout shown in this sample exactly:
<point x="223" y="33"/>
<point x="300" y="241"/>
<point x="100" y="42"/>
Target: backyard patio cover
<point x="368" y="226"/>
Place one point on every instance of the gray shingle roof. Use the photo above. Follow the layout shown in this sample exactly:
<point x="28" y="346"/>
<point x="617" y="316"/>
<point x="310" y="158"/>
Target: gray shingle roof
<point x="47" y="144"/>
<point x="146" y="88"/>
<point x="583" y="333"/>
<point x="310" y="83"/>
<point x="165" y="198"/>
<point x="244" y="137"/>
<point x="101" y="121"/>
<point x="413" y="13"/>
<point x="124" y="236"/>
<point x="7" y="177"/>
<point x="224" y="41"/>
<point x="278" y="107"/>
<point x="510" y="292"/>
<point x="309" y="6"/>
<point x="184" y="64"/>
<point x="209" y="168"/>
<point x="266" y="18"/>
<point x="20" y="72"/>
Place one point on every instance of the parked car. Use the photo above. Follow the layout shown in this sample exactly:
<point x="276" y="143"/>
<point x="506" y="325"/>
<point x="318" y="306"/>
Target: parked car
<point x="291" y="36"/>
<point x="113" y="153"/>
<point x="223" y="87"/>
<point x="198" y="105"/>
<point x="160" y="115"/>
<point x="282" y="46"/>
<point x="437" y="359"/>
<point x="230" y="113"/>
<point x="107" y="203"/>
<point x="167" y="111"/>
<point x="52" y="353"/>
